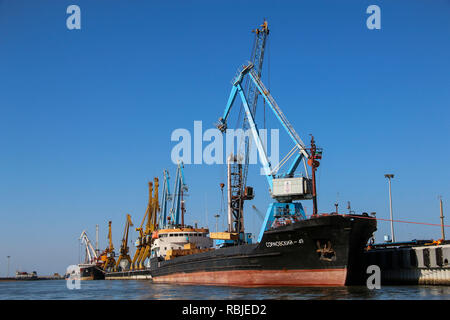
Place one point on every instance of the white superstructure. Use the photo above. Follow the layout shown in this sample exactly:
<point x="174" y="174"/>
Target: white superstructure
<point x="177" y="238"/>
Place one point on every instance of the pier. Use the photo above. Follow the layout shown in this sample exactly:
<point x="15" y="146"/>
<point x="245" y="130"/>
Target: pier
<point x="412" y="264"/>
<point x="31" y="278"/>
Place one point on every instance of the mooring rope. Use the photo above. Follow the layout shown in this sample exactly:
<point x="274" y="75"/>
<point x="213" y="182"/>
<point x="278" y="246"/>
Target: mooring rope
<point x="400" y="221"/>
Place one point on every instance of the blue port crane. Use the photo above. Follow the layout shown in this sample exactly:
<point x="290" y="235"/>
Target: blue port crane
<point x="285" y="188"/>
<point x="165" y="201"/>
<point x="177" y="209"/>
<point x="172" y="204"/>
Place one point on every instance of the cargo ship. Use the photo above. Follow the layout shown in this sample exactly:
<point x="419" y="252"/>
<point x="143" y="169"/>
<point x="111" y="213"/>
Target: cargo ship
<point x="91" y="272"/>
<point x="324" y="250"/>
<point x="291" y="248"/>
<point x="22" y="275"/>
<point x="92" y="268"/>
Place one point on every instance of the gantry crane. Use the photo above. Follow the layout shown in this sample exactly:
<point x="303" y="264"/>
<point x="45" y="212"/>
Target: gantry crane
<point x="124" y="257"/>
<point x="284" y="188"/>
<point x="151" y="224"/>
<point x="143" y="242"/>
<point x="91" y="254"/>
<point x="140" y="241"/>
<point x="110" y="262"/>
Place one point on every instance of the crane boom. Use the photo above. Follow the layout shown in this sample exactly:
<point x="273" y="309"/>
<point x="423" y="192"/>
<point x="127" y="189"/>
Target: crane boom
<point x="152" y="212"/>
<point x="140" y="241"/>
<point x="142" y="244"/>
<point x="279" y="114"/>
<point x="177" y="208"/>
<point x="124" y="249"/>
<point x="257" y="59"/>
<point x="91" y="254"/>
<point x="166" y="198"/>
<point x="110" y="261"/>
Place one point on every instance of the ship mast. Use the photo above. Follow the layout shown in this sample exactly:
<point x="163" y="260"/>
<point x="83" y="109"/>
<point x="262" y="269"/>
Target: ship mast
<point x="314" y="156"/>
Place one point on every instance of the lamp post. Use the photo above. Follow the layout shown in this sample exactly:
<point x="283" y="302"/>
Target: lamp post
<point x="7" y="275"/>
<point x="96" y="239"/>
<point x="442" y="218"/>
<point x="389" y="177"/>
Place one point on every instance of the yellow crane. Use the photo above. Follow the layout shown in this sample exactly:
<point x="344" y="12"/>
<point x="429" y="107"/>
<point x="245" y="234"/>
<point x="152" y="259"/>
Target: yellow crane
<point x="152" y="210"/>
<point x="140" y="241"/>
<point x="124" y="247"/>
<point x="110" y="262"/>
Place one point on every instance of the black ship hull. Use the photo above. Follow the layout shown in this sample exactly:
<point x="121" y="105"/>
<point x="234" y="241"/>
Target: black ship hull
<point x="326" y="250"/>
<point x="91" y="272"/>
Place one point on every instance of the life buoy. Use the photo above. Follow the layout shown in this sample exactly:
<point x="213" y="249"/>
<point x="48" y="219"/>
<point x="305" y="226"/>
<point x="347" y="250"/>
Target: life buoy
<point x="315" y="162"/>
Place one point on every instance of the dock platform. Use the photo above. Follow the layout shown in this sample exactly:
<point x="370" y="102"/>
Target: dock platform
<point x="411" y="263"/>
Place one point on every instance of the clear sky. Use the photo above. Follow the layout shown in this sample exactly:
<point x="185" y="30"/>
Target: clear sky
<point x="86" y="115"/>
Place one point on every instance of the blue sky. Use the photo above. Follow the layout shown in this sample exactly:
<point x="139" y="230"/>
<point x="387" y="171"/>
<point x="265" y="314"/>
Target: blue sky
<point x="86" y="115"/>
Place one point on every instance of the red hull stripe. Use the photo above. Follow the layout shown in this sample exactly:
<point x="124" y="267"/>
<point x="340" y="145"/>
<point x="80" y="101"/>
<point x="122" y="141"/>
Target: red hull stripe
<point x="315" y="277"/>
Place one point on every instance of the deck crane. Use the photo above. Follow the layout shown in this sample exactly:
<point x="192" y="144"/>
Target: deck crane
<point x="110" y="262"/>
<point x="166" y="198"/>
<point x="153" y="209"/>
<point x="91" y="255"/>
<point x="177" y="209"/>
<point x="124" y="257"/>
<point x="284" y="188"/>
<point x="140" y="241"/>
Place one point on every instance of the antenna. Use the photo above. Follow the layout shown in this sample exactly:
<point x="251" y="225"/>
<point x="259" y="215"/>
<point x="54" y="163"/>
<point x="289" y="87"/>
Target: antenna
<point x="350" y="211"/>
<point x="206" y="209"/>
<point x="337" y="203"/>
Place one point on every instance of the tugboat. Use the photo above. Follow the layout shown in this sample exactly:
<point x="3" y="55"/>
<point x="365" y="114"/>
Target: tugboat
<point x="22" y="275"/>
<point x="91" y="269"/>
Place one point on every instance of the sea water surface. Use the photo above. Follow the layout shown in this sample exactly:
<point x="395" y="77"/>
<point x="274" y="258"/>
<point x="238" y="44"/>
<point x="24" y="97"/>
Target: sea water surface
<point x="146" y="290"/>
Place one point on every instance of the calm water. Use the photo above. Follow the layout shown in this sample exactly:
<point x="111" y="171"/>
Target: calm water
<point x="145" y="290"/>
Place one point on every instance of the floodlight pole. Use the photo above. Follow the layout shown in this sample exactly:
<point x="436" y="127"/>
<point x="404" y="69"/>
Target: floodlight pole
<point x="7" y="275"/>
<point x="389" y="177"/>
<point x="442" y="219"/>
